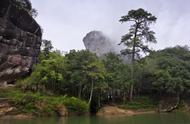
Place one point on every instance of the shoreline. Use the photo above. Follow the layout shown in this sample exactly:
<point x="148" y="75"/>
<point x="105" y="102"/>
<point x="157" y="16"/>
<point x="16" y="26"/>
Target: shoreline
<point x="103" y="112"/>
<point x="116" y="111"/>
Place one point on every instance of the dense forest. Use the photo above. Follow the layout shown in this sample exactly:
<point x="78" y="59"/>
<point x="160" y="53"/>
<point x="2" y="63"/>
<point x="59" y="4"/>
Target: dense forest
<point x="107" y="80"/>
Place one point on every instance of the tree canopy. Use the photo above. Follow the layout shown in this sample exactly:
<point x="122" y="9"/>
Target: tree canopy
<point x="27" y="5"/>
<point x="139" y="34"/>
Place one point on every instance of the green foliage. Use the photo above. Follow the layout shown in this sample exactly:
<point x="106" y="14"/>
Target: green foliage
<point x="170" y="73"/>
<point x="139" y="103"/>
<point x="71" y="74"/>
<point x="137" y="38"/>
<point x="75" y="105"/>
<point x="46" y="47"/>
<point x="83" y="67"/>
<point x="38" y="104"/>
<point x="118" y="73"/>
<point x="104" y="80"/>
<point x="26" y="5"/>
<point x="139" y="32"/>
<point x="48" y="74"/>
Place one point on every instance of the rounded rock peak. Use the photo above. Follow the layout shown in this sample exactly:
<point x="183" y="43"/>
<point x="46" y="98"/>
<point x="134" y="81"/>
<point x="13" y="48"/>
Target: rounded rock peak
<point x="97" y="42"/>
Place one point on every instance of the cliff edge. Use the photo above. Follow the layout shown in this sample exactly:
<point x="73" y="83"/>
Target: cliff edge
<point x="20" y="41"/>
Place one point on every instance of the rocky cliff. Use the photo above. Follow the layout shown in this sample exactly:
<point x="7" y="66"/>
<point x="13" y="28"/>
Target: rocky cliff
<point x="97" y="42"/>
<point x="20" y="41"/>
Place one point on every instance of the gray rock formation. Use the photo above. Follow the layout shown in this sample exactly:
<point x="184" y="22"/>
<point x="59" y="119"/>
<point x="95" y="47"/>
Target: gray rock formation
<point x="20" y="41"/>
<point x="98" y="43"/>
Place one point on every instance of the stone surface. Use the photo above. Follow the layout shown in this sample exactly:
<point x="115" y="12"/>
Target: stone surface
<point x="5" y="107"/>
<point x="97" y="42"/>
<point x="114" y="111"/>
<point x="62" y="111"/>
<point x="20" y="41"/>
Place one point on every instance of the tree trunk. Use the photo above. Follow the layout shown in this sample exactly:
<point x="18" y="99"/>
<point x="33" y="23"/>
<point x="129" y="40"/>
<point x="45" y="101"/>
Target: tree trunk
<point x="132" y="61"/>
<point x="113" y="96"/>
<point x="124" y="97"/>
<point x="131" y="93"/>
<point x="79" y="91"/>
<point x="99" y="100"/>
<point x="170" y="109"/>
<point x="91" y="92"/>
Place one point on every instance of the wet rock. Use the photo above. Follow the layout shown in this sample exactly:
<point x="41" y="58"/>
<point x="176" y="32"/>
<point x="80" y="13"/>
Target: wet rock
<point x="5" y="108"/>
<point x="62" y="111"/>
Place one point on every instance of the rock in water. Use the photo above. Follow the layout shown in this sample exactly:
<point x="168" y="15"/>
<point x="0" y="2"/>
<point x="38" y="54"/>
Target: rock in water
<point x="20" y="41"/>
<point x="98" y="43"/>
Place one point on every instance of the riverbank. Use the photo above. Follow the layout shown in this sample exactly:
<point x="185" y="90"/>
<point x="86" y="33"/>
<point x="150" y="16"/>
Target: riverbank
<point x="116" y="111"/>
<point x="15" y="103"/>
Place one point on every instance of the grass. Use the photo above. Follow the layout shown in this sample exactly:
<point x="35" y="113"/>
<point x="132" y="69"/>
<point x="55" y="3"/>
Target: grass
<point x="39" y="104"/>
<point x="139" y="103"/>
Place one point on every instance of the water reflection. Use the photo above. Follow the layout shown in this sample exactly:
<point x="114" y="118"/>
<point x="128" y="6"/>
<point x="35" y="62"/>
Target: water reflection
<point x="172" y="118"/>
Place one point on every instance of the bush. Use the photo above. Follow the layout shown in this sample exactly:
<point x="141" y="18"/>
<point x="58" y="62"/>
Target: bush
<point x="38" y="104"/>
<point x="139" y="103"/>
<point x="75" y="104"/>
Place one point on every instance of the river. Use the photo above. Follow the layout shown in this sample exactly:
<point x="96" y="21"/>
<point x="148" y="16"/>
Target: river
<point x="172" y="118"/>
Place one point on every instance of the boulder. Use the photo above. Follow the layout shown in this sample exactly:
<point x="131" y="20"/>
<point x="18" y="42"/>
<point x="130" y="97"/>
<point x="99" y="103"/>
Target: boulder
<point x="62" y="111"/>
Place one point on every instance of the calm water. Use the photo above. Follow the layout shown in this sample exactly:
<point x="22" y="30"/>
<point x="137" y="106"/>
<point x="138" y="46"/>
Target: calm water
<point x="174" y="118"/>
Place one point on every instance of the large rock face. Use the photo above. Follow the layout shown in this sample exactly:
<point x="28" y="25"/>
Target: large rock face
<point x="98" y="43"/>
<point x="20" y="41"/>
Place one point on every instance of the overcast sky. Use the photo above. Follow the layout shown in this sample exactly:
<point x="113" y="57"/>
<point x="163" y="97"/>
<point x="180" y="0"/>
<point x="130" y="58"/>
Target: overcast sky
<point x="66" y="22"/>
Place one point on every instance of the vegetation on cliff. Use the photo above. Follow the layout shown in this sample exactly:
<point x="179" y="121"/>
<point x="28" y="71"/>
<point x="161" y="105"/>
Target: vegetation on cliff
<point x="26" y="5"/>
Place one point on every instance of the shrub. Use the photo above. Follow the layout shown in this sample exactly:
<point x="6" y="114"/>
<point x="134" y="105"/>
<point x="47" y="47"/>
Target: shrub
<point x="38" y="104"/>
